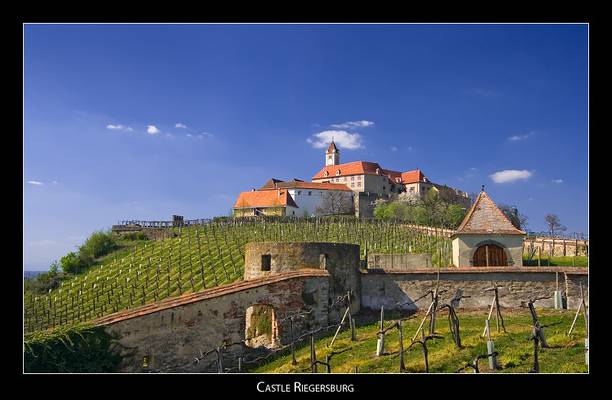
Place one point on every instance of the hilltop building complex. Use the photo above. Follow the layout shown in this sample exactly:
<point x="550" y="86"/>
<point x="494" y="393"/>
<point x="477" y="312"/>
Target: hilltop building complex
<point x="363" y="182"/>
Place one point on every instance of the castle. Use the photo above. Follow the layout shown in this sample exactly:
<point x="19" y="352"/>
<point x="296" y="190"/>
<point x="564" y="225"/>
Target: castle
<point x="337" y="188"/>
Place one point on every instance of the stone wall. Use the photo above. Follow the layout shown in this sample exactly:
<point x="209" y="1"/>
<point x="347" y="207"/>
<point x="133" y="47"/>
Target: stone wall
<point x="390" y="287"/>
<point x="341" y="260"/>
<point x="399" y="261"/>
<point x="172" y="332"/>
<point x="556" y="247"/>
<point x="364" y="203"/>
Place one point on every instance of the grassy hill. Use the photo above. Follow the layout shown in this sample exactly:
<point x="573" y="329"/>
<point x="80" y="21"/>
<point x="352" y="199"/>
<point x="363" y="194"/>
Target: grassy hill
<point x="566" y="354"/>
<point x="201" y="257"/>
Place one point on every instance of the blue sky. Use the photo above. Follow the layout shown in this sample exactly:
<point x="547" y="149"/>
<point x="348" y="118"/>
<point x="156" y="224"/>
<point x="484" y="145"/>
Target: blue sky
<point x="146" y="121"/>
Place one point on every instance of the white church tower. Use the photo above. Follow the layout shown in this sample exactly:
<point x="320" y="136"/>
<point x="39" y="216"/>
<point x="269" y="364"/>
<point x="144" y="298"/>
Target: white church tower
<point x="332" y="155"/>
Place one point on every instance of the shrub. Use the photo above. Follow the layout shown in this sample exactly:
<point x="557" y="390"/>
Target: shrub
<point x="97" y="245"/>
<point x="135" y="236"/>
<point x="79" y="348"/>
<point x="45" y="281"/>
<point x="71" y="263"/>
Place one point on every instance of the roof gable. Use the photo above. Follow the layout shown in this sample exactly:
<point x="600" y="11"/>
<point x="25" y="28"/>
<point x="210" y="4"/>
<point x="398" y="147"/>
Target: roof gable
<point x="486" y="218"/>
<point x="265" y="198"/>
<point x="413" y="176"/>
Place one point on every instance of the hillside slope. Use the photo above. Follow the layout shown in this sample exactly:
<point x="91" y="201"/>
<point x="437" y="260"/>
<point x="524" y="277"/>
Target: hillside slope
<point x="202" y="257"/>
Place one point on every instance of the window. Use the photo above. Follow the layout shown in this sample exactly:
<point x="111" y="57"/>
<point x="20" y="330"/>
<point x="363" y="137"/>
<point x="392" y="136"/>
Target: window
<point x="352" y="178"/>
<point x="299" y="192"/>
<point x="352" y="185"/>
<point x="384" y="188"/>
<point x="309" y="193"/>
<point x="266" y="262"/>
<point x="358" y="183"/>
<point x="323" y="260"/>
<point x="412" y="190"/>
<point x="358" y="177"/>
<point x="337" y="172"/>
<point x="326" y="173"/>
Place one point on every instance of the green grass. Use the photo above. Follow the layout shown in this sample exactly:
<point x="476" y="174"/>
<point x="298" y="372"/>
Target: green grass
<point x="515" y="350"/>
<point x="201" y="257"/>
<point x="568" y="261"/>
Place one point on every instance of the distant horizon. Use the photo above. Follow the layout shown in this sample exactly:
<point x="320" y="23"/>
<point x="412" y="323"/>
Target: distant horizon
<point x="134" y="121"/>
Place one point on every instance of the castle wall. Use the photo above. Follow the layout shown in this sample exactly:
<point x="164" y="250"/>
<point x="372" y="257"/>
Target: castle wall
<point x="172" y="332"/>
<point x="341" y="260"/>
<point x="393" y="287"/>
<point x="556" y="247"/>
<point x="399" y="261"/>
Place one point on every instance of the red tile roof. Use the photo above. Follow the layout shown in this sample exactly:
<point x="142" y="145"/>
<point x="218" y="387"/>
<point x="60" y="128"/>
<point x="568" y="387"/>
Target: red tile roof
<point x="413" y="176"/>
<point x="271" y="183"/>
<point x="486" y="218"/>
<point x="352" y="168"/>
<point x="265" y="198"/>
<point x="369" y="168"/>
<point x="311" y="185"/>
<point x="300" y="184"/>
<point x="332" y="148"/>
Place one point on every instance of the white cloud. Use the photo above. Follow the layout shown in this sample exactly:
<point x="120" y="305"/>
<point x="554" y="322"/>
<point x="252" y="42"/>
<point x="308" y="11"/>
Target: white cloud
<point x="518" y="138"/>
<point x="353" y="124"/>
<point x="180" y="125"/>
<point x="152" y="130"/>
<point x="119" y="127"/>
<point x="510" y="175"/>
<point x="393" y="148"/>
<point x="557" y="180"/>
<point x="37" y="183"/>
<point x="207" y="134"/>
<point x="189" y="135"/>
<point x="168" y="135"/>
<point x="343" y="139"/>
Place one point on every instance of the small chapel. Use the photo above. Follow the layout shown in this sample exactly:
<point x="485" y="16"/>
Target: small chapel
<point x="487" y="238"/>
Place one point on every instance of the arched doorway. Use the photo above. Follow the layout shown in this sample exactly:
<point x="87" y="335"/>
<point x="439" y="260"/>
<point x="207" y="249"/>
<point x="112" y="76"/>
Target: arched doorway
<point x="490" y="255"/>
<point x="261" y="326"/>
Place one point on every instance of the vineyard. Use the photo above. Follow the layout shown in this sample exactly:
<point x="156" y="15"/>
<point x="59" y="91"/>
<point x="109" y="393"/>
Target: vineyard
<point x="189" y="259"/>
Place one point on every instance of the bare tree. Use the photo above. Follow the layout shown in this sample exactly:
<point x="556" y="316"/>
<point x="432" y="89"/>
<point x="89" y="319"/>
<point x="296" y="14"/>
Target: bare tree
<point x="518" y="220"/>
<point x="334" y="203"/>
<point x="554" y="224"/>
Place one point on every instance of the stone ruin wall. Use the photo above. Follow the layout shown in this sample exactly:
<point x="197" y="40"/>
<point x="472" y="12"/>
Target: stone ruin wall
<point x="399" y="261"/>
<point x="390" y="287"/>
<point x="341" y="260"/>
<point x="172" y="332"/>
<point x="557" y="247"/>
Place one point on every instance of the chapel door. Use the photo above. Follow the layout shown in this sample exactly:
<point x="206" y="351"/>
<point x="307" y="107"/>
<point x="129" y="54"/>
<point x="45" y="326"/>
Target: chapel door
<point x="496" y="256"/>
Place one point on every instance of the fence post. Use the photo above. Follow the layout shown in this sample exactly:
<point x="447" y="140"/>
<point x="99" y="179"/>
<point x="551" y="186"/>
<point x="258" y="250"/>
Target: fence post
<point x="380" y="346"/>
<point x="313" y="355"/>
<point x="350" y="316"/>
<point x="293" y="360"/>
<point x="490" y="347"/>
<point x="401" y="346"/>
<point x="219" y="360"/>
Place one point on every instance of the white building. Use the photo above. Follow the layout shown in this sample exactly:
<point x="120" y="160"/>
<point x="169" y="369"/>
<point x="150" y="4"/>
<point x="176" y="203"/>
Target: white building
<point x="297" y="198"/>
